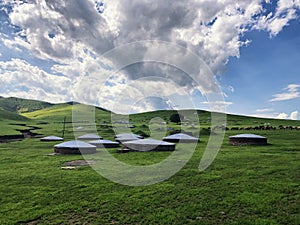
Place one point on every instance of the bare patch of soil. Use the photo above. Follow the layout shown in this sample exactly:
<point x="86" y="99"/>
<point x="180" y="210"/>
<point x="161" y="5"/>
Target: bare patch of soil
<point x="80" y="163"/>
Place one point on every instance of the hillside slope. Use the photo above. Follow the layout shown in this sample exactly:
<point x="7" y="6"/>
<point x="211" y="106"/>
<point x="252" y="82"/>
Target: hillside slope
<point x="19" y="105"/>
<point x="7" y="115"/>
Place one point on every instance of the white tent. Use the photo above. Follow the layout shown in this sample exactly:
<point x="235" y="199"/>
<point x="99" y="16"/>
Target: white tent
<point x="247" y="139"/>
<point x="74" y="147"/>
<point x="180" y="137"/>
<point x="51" y="138"/>
<point x="127" y="137"/>
<point x="89" y="137"/>
<point x="144" y="145"/>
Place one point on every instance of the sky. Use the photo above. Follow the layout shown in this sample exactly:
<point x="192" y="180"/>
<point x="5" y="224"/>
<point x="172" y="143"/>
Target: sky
<point x="132" y="56"/>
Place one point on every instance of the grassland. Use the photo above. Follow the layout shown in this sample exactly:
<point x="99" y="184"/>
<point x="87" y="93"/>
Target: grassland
<point x="244" y="185"/>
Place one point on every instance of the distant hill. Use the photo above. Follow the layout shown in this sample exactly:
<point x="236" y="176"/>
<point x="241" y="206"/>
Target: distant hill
<point x="19" y="105"/>
<point x="7" y="115"/>
<point x="12" y="108"/>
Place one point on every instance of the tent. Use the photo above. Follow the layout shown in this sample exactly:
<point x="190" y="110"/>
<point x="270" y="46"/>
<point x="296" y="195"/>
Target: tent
<point x="89" y="137"/>
<point x="51" y="138"/>
<point x="247" y="139"/>
<point x="127" y="137"/>
<point x="144" y="145"/>
<point x="104" y="144"/>
<point x="74" y="147"/>
<point x="181" y="137"/>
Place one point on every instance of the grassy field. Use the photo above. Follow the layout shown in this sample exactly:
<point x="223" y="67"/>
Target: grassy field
<point x="244" y="185"/>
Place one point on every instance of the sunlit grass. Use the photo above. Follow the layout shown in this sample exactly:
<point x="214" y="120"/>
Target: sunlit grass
<point x="244" y="184"/>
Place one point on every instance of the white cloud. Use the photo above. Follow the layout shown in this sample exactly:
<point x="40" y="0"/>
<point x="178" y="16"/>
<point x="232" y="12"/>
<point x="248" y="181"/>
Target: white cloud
<point x="126" y="21"/>
<point x="264" y="110"/>
<point x="294" y="115"/>
<point x="217" y="106"/>
<point x="18" y="78"/>
<point x="73" y="34"/>
<point x="282" y="116"/>
<point x="286" y="10"/>
<point x="291" y="92"/>
<point x="292" y="87"/>
<point x="275" y="115"/>
<point x="231" y="88"/>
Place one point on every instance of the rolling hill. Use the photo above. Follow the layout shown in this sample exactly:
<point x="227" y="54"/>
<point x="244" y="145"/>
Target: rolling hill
<point x="19" y="105"/>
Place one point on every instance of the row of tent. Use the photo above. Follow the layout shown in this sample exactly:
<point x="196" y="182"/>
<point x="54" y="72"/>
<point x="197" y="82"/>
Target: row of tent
<point x="135" y="142"/>
<point x="132" y="142"/>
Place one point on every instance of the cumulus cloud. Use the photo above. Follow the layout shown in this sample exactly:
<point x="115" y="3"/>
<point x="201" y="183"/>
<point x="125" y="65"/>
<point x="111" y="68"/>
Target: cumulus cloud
<point x="282" y="116"/>
<point x="274" y="22"/>
<point x="294" y="115"/>
<point x="73" y="34"/>
<point x="18" y="78"/>
<point x="212" y="29"/>
<point x="290" y="92"/>
<point x="268" y="113"/>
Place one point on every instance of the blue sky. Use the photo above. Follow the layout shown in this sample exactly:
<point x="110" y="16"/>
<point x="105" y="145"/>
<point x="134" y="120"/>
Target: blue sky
<point x="54" y="52"/>
<point x="265" y="68"/>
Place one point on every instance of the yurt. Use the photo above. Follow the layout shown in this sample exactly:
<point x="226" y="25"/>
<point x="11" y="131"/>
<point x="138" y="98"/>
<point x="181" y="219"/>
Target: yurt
<point x="247" y="139"/>
<point x="74" y="147"/>
<point x="51" y="138"/>
<point x="180" y="137"/>
<point x="105" y="143"/>
<point x="127" y="137"/>
<point x="89" y="137"/>
<point x="145" y="145"/>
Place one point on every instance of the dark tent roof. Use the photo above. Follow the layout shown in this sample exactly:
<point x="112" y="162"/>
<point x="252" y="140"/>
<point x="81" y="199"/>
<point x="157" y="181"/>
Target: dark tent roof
<point x="127" y="135"/>
<point x="104" y="143"/>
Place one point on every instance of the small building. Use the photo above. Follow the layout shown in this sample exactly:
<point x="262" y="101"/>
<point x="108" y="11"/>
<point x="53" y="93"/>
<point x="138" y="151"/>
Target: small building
<point x="146" y="145"/>
<point x="181" y="137"/>
<point x="74" y="147"/>
<point x="247" y="139"/>
<point x="127" y="137"/>
<point x="89" y="137"/>
<point x="105" y="143"/>
<point x="51" y="138"/>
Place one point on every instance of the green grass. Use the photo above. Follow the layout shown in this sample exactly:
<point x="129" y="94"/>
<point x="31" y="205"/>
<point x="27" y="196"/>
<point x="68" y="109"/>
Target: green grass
<point x="244" y="184"/>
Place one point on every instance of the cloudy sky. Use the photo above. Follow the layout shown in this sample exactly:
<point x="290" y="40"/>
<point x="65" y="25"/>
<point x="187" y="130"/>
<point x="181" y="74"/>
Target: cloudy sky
<point x="140" y="55"/>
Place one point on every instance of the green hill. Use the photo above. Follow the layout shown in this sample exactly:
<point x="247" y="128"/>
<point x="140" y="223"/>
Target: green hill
<point x="39" y="112"/>
<point x="19" y="105"/>
<point x="7" y="115"/>
<point x="10" y="122"/>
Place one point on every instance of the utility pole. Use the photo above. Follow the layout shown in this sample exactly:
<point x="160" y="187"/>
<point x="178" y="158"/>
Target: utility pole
<point x="64" y="127"/>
